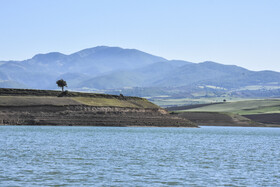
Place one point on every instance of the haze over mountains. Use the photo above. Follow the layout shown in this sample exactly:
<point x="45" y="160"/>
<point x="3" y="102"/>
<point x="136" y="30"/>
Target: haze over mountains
<point x="113" y="68"/>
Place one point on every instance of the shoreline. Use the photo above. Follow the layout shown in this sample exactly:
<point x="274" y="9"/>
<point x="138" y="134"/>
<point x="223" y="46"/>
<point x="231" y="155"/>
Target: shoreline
<point x="44" y="107"/>
<point x="230" y="120"/>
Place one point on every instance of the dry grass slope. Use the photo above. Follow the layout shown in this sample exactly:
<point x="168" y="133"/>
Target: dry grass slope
<point x="131" y="103"/>
<point x="23" y="97"/>
<point x="35" y="101"/>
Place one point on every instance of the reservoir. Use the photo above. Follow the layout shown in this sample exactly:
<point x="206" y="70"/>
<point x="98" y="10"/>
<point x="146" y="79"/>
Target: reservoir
<point x="139" y="156"/>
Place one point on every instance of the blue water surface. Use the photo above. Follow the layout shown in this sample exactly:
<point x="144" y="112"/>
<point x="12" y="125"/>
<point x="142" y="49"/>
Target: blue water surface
<point x="139" y="156"/>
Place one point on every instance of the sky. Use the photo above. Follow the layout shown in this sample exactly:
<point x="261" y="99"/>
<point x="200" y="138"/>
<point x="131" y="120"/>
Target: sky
<point x="237" y="32"/>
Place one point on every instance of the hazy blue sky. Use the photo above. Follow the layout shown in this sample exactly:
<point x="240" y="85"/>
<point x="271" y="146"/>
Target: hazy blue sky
<point x="241" y="32"/>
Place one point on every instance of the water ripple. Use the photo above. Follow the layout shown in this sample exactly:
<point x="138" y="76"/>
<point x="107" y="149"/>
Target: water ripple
<point x="108" y="156"/>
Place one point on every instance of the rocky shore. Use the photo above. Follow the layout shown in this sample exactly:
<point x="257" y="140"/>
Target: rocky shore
<point x="40" y="110"/>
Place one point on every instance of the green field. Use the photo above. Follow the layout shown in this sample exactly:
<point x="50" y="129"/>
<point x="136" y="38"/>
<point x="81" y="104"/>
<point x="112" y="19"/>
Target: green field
<point x="245" y="107"/>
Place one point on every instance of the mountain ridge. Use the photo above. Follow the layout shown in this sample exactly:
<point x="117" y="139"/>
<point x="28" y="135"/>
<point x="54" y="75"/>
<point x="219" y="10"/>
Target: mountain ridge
<point x="108" y="68"/>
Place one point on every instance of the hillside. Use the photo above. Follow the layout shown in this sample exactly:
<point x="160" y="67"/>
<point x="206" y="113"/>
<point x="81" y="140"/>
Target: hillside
<point x="45" y="107"/>
<point x="26" y="97"/>
<point x="42" y="70"/>
<point x="184" y="74"/>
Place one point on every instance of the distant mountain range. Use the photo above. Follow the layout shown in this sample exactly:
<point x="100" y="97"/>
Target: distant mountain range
<point x="112" y="69"/>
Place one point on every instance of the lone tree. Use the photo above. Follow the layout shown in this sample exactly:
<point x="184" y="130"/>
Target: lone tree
<point x="61" y="83"/>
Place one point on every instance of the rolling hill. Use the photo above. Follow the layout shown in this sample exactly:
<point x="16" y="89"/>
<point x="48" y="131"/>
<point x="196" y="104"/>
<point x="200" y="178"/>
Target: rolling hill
<point x="42" y="70"/>
<point x="133" y="72"/>
<point x="171" y="74"/>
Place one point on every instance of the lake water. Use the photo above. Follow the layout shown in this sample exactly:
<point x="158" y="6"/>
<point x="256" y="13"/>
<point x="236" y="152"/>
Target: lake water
<point x="136" y="156"/>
